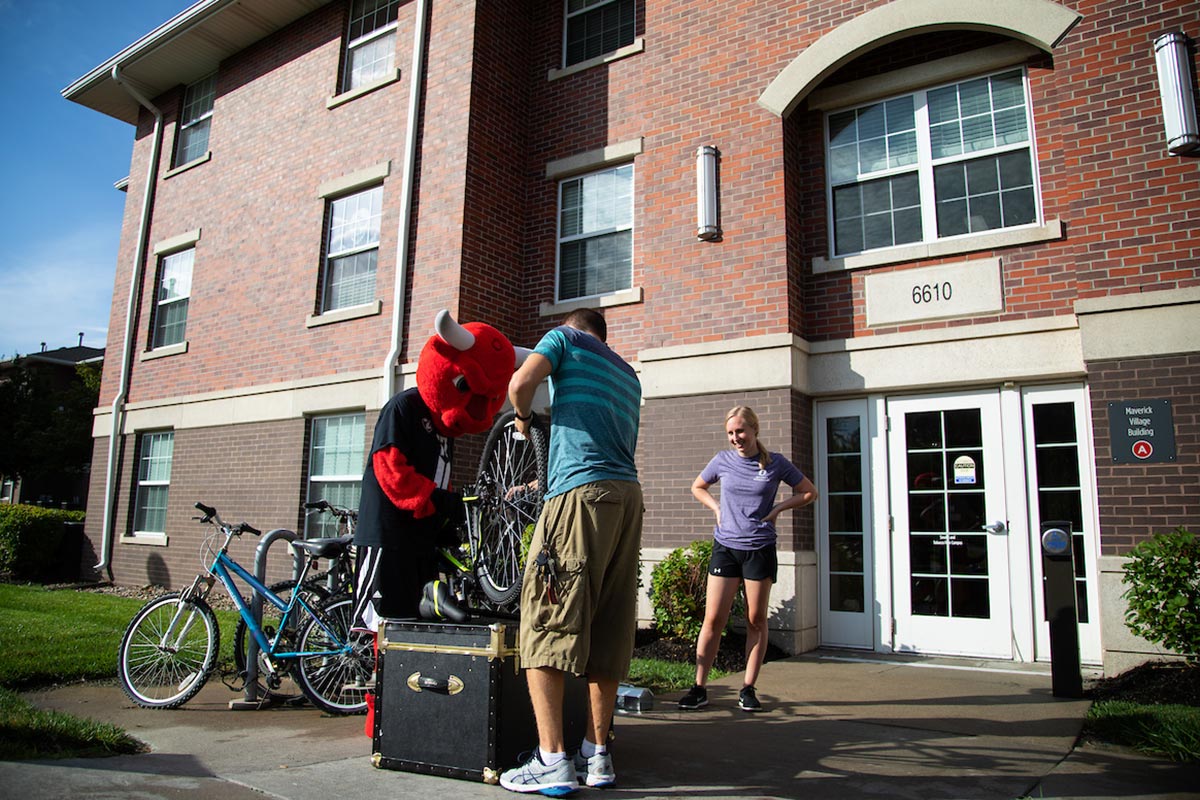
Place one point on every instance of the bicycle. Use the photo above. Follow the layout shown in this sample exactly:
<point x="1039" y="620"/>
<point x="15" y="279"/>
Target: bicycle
<point x="320" y="587"/>
<point x="170" y="647"/>
<point x="502" y="511"/>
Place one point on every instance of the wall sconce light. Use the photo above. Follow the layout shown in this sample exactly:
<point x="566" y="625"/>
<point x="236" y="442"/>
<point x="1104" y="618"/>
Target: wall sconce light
<point x="1174" y="60"/>
<point x="708" y="225"/>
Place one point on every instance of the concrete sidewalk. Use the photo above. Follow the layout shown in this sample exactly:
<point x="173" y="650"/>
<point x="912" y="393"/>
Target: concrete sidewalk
<point x="836" y="726"/>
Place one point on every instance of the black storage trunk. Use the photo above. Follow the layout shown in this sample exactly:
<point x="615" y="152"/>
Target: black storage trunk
<point x="451" y="700"/>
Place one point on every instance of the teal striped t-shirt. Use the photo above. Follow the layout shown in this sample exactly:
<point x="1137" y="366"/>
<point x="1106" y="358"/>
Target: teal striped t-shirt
<point x="595" y="407"/>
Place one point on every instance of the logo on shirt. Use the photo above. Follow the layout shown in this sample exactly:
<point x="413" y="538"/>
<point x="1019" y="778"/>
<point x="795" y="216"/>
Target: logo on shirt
<point x="762" y="476"/>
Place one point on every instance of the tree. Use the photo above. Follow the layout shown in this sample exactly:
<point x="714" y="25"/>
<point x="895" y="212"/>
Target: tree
<point x="46" y="420"/>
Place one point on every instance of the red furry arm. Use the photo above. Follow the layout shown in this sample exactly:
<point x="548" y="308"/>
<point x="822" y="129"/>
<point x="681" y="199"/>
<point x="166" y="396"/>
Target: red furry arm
<point x="403" y="485"/>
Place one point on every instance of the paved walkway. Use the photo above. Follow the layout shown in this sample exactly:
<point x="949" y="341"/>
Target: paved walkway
<point x="836" y="726"/>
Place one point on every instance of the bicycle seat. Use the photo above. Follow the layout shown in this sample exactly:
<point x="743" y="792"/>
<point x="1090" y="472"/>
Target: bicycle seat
<point x="324" y="548"/>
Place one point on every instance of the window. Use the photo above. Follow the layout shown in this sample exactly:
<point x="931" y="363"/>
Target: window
<point x="335" y="467"/>
<point x="194" y="120"/>
<point x="154" y="481"/>
<point x="370" y="42"/>
<point x="596" y="27"/>
<point x="943" y="162"/>
<point x="8" y="490"/>
<point x="595" y="233"/>
<point x="352" y="249"/>
<point x="174" y="289"/>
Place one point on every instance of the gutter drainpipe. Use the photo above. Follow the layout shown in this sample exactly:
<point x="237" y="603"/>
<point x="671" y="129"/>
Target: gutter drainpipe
<point x="111" y="482"/>
<point x="416" y="80"/>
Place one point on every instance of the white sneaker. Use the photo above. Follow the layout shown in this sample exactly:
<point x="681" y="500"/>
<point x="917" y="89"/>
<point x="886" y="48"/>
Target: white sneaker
<point x="595" y="771"/>
<point x="535" y="776"/>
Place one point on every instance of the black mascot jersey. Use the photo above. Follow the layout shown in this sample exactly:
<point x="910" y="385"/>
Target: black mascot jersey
<point x="405" y="424"/>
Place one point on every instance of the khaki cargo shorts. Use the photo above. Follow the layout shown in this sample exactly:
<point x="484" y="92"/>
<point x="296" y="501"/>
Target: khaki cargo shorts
<point x="594" y="533"/>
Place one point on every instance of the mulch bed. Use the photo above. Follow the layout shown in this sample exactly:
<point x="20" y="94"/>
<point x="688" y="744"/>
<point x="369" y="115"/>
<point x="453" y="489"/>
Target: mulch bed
<point x="1156" y="682"/>
<point x="731" y="657"/>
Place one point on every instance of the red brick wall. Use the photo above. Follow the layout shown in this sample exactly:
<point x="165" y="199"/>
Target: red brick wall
<point x="1139" y="500"/>
<point x="1127" y="206"/>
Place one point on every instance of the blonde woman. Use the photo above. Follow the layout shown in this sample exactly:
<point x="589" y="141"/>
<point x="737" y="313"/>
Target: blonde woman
<point x="743" y="545"/>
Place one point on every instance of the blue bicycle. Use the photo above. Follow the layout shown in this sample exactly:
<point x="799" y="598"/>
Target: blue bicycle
<point x="170" y="648"/>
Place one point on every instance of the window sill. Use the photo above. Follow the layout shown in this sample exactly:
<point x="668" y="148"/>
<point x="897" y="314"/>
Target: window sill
<point x="638" y="46"/>
<point x="354" y="94"/>
<point x="163" y="352"/>
<point x="342" y="314"/>
<point x="195" y="162"/>
<point x="623" y="298"/>
<point x="1049" y="231"/>
<point x="147" y="539"/>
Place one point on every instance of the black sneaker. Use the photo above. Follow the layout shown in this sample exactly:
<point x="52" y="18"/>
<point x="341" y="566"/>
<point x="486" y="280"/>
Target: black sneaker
<point x="697" y="697"/>
<point x="748" y="700"/>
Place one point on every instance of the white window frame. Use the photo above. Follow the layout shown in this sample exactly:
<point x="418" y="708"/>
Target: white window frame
<point x="577" y="9"/>
<point x="144" y="440"/>
<point x="370" y="195"/>
<point x="925" y="165"/>
<point x="195" y="120"/>
<point x="620" y="227"/>
<point x="162" y="305"/>
<point x="317" y="525"/>
<point x="377" y="37"/>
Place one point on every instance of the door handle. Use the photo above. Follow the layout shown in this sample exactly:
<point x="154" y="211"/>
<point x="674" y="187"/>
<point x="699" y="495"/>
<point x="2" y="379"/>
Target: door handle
<point x="996" y="527"/>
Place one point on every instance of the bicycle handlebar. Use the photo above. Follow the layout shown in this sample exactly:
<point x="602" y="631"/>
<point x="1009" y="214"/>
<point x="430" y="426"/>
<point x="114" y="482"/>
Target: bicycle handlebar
<point x="211" y="514"/>
<point x="325" y="505"/>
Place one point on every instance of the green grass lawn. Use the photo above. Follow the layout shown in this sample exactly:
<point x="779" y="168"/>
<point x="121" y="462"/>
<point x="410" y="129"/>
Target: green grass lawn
<point x="63" y="636"/>
<point x="1172" y="731"/>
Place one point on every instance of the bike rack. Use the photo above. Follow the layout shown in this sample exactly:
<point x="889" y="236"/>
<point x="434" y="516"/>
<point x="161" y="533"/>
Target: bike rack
<point x="250" y="696"/>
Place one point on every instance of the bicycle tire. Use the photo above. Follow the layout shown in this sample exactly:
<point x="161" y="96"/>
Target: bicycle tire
<point x="515" y="466"/>
<point x="271" y="617"/>
<point x="158" y="675"/>
<point x="332" y="678"/>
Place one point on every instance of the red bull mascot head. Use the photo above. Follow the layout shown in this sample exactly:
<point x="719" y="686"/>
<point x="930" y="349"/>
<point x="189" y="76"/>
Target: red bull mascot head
<point x="463" y="374"/>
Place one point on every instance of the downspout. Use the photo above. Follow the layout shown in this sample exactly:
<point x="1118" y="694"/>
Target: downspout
<point x="111" y="482"/>
<point x="416" y="80"/>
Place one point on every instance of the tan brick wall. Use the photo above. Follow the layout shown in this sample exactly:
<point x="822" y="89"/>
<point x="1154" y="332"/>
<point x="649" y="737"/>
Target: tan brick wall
<point x="680" y="435"/>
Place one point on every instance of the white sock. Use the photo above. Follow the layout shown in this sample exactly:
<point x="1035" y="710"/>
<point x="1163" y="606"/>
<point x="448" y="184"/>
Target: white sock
<point x="587" y="749"/>
<point x="550" y="759"/>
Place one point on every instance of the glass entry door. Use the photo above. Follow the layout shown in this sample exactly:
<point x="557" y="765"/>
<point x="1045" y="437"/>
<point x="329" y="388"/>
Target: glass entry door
<point x="949" y="526"/>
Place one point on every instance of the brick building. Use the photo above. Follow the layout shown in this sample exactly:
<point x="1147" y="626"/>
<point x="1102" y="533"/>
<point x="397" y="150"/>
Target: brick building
<point x="940" y="247"/>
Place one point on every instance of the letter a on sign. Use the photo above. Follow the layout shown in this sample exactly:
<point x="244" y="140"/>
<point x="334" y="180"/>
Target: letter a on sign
<point x="1143" y="449"/>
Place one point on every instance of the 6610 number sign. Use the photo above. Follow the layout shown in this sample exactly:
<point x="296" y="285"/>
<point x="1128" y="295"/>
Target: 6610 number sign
<point x="932" y="292"/>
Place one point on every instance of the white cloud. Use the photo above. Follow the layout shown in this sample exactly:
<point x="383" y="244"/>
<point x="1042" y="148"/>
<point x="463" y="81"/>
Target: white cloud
<point x="51" y="294"/>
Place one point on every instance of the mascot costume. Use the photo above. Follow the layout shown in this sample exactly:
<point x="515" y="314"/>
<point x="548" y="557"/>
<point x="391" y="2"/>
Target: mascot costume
<point x="408" y="508"/>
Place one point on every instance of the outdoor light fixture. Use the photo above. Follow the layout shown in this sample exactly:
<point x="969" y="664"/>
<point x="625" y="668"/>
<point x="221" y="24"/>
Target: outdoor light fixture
<point x="1173" y="58"/>
<point x="707" y="224"/>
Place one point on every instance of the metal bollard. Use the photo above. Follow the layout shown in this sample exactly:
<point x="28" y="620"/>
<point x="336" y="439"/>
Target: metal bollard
<point x="250" y="690"/>
<point x="1058" y="576"/>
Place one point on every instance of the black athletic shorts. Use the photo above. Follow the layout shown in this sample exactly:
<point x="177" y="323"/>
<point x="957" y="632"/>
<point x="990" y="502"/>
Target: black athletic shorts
<point x="751" y="565"/>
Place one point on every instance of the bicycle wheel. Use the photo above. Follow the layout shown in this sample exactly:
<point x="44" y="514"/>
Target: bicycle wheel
<point x="513" y="470"/>
<point x="168" y="651"/>
<point x="337" y="670"/>
<point x="278" y="679"/>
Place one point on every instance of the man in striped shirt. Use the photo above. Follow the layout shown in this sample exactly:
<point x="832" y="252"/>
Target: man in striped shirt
<point x="579" y="604"/>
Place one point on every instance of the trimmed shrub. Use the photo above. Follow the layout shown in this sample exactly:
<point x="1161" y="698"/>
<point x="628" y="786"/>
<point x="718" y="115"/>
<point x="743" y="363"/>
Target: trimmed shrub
<point x="30" y="538"/>
<point x="1163" y="575"/>
<point x="678" y="588"/>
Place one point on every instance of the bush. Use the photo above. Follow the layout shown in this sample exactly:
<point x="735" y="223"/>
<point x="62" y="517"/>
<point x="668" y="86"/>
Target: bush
<point x="678" y="588"/>
<point x="30" y="538"/>
<point x="1163" y="575"/>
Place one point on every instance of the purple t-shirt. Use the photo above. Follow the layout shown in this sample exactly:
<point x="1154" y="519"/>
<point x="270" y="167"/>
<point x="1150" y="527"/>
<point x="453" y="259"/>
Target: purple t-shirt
<point x="747" y="494"/>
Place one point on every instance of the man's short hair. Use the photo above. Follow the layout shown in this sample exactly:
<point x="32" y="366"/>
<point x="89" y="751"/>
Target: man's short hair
<point x="590" y="320"/>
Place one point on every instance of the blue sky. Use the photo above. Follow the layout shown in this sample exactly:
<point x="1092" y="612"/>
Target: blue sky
<point x="61" y="220"/>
